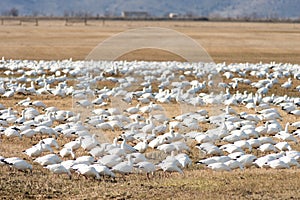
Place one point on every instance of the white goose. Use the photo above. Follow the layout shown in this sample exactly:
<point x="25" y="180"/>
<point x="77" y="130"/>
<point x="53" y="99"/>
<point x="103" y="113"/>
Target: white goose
<point x="74" y="145"/>
<point x="59" y="169"/>
<point x="110" y="160"/>
<point x="12" y="132"/>
<point x="89" y="142"/>
<point x="18" y="164"/>
<point x="219" y="167"/>
<point x="88" y="171"/>
<point x="124" y="167"/>
<point x="65" y="152"/>
<point x="126" y="147"/>
<point x="146" y="167"/>
<point x="103" y="170"/>
<point x="48" y="159"/>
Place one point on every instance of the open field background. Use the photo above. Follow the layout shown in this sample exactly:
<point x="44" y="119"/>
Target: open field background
<point x="225" y="42"/>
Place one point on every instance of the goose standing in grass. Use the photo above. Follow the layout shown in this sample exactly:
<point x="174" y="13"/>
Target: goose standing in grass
<point x="142" y="146"/>
<point x="126" y="147"/>
<point x="18" y="164"/>
<point x="125" y="167"/>
<point x="170" y="167"/>
<point x="29" y="133"/>
<point x="219" y="167"/>
<point x="74" y="145"/>
<point x="133" y="110"/>
<point x="48" y="159"/>
<point x="145" y="167"/>
<point x="247" y="160"/>
<point x="59" y="169"/>
<point x="34" y="151"/>
<point x="278" y="164"/>
<point x="12" y="132"/>
<point x="103" y="170"/>
<point x="88" y="171"/>
<point x="110" y="160"/>
<point x="89" y="142"/>
<point x="65" y="152"/>
<point x="52" y="142"/>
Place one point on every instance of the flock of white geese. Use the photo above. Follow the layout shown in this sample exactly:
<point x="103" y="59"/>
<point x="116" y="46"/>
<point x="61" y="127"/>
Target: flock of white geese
<point x="227" y="126"/>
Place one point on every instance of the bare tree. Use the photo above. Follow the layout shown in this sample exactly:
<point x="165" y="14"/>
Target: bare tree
<point x="14" y="12"/>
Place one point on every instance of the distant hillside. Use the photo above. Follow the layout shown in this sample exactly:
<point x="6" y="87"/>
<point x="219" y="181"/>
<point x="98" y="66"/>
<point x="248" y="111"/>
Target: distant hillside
<point x="207" y="8"/>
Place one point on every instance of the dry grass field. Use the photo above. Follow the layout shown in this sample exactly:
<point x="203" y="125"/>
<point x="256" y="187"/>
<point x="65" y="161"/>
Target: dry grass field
<point x="224" y="41"/>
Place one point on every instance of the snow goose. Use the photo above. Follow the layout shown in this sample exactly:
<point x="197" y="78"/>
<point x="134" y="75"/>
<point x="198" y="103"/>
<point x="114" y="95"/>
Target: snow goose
<point x="103" y="170"/>
<point x="125" y="167"/>
<point x="149" y="127"/>
<point x="262" y="130"/>
<point x="285" y="135"/>
<point x="126" y="147"/>
<point x="44" y="147"/>
<point x="203" y="138"/>
<point x="262" y="162"/>
<point x="161" y="128"/>
<point x="142" y="146"/>
<point x="48" y="159"/>
<point x="235" y="155"/>
<point x="246" y="160"/>
<point x="243" y="144"/>
<point x="110" y="160"/>
<point x="98" y="151"/>
<point x="29" y="133"/>
<point x="74" y="145"/>
<point x="45" y="130"/>
<point x="267" y="147"/>
<point x="296" y="124"/>
<point x="89" y="142"/>
<point x="231" y="148"/>
<point x="215" y="159"/>
<point x="88" y="171"/>
<point x="85" y="160"/>
<point x="264" y="140"/>
<point x="219" y="167"/>
<point x="34" y="151"/>
<point x="293" y="154"/>
<point x="170" y="167"/>
<point x="283" y="146"/>
<point x="137" y="157"/>
<point x="39" y="104"/>
<point x="233" y="164"/>
<point x="59" y="169"/>
<point x="288" y="84"/>
<point x="184" y="160"/>
<point x="209" y="149"/>
<point x="52" y="142"/>
<point x="255" y="143"/>
<point x="290" y="161"/>
<point x="145" y="167"/>
<point x="12" y="132"/>
<point x="117" y="151"/>
<point x="295" y="112"/>
<point x="133" y="110"/>
<point x="278" y="164"/>
<point x="9" y="93"/>
<point x="17" y="163"/>
<point x="167" y="148"/>
<point x="22" y="119"/>
<point x="65" y="152"/>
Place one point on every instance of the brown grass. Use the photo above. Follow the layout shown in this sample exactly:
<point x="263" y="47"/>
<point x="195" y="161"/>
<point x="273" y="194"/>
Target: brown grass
<point x="224" y="41"/>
